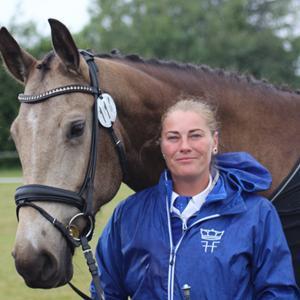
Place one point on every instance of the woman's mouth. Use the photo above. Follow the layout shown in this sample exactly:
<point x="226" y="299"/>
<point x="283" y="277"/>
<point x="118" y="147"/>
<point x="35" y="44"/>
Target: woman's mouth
<point x="184" y="159"/>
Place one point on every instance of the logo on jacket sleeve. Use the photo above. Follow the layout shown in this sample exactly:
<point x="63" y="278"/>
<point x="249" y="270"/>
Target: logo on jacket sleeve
<point x="210" y="239"/>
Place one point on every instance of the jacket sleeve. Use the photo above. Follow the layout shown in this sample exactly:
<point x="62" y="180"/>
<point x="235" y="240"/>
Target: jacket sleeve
<point x="273" y="274"/>
<point x="109" y="260"/>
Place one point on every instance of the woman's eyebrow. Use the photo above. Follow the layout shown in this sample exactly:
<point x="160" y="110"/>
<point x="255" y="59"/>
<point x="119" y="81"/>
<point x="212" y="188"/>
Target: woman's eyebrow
<point x="196" y="129"/>
<point x="172" y="132"/>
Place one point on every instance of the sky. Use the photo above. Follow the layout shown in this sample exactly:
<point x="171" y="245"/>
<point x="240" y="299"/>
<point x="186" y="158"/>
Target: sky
<point x="73" y="13"/>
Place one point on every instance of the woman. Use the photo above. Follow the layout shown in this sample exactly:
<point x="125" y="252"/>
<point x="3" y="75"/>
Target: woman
<point x="226" y="242"/>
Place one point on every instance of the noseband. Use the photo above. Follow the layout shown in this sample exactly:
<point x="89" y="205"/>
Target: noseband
<point x="27" y="195"/>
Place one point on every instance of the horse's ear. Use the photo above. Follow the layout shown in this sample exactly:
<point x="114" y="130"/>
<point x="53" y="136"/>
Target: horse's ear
<point x="64" y="45"/>
<point x="17" y="60"/>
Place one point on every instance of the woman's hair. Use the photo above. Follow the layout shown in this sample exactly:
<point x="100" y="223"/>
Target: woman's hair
<point x="197" y="105"/>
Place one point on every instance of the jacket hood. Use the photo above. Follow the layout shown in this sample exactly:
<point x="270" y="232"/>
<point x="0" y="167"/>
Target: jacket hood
<point x="243" y="171"/>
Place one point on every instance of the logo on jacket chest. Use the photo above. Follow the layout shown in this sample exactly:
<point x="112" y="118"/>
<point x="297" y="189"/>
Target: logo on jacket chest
<point x="210" y="239"/>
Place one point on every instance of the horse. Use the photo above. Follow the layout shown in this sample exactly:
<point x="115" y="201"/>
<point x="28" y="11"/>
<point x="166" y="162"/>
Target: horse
<point x="53" y="137"/>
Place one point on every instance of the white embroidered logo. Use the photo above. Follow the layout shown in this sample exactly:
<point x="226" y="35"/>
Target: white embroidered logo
<point x="210" y="239"/>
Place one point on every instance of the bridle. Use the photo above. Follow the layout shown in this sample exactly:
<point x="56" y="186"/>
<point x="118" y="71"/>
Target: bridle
<point x="27" y="195"/>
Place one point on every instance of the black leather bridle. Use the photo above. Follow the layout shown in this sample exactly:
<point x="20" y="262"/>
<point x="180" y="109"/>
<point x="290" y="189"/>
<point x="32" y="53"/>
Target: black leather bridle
<point x="27" y="195"/>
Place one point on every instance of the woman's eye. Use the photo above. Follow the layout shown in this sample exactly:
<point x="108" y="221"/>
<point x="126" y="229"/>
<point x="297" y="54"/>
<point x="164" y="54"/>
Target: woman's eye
<point x="76" y="129"/>
<point x="196" y="136"/>
<point x="172" y="138"/>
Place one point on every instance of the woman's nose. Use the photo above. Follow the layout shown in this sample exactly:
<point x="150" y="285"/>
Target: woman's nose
<point x="184" y="145"/>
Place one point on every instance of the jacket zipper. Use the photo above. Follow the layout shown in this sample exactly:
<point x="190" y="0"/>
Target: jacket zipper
<point x="172" y="268"/>
<point x="172" y="259"/>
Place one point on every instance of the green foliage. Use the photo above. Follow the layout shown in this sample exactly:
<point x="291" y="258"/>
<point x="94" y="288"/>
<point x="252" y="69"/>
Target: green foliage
<point x="9" y="88"/>
<point x="8" y="108"/>
<point x="241" y="35"/>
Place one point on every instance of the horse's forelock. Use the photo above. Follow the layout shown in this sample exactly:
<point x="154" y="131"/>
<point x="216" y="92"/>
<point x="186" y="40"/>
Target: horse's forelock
<point x="46" y="61"/>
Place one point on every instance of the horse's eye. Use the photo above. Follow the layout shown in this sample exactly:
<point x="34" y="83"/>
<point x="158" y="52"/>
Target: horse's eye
<point x="76" y="129"/>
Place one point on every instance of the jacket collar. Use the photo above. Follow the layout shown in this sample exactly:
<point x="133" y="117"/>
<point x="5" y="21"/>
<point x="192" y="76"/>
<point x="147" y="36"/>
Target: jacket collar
<point x="240" y="174"/>
<point x="221" y="200"/>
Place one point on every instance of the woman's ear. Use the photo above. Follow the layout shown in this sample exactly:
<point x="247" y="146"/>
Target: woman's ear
<point x="215" y="142"/>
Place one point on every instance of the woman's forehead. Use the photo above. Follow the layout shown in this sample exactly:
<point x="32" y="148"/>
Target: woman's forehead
<point x="184" y="115"/>
<point x="179" y="119"/>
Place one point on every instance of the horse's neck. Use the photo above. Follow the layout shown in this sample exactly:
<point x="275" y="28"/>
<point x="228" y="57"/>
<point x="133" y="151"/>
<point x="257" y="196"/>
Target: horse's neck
<point x="140" y="99"/>
<point x="249" y="112"/>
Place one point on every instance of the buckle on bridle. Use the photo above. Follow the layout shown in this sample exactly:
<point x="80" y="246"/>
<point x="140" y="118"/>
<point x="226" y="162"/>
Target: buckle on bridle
<point x="74" y="230"/>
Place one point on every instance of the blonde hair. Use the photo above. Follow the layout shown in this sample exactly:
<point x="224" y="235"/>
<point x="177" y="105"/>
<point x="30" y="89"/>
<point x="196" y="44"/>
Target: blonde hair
<point x="197" y="105"/>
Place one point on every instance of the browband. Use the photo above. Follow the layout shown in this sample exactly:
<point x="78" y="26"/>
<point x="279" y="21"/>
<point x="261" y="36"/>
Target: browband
<point x="72" y="88"/>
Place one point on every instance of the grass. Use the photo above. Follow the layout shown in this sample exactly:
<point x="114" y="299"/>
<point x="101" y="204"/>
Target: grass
<point x="12" y="172"/>
<point x="12" y="286"/>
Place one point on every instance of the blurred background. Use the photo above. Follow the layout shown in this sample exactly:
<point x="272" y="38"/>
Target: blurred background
<point x="255" y="37"/>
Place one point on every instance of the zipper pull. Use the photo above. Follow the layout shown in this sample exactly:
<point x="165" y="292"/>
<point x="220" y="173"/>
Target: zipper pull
<point x="186" y="291"/>
<point x="184" y="225"/>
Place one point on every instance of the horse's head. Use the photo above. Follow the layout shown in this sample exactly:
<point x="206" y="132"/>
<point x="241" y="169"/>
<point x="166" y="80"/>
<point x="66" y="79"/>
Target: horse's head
<point x="53" y="139"/>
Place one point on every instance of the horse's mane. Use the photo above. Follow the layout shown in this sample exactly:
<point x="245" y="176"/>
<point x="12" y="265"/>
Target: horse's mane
<point x="187" y="67"/>
<point x="193" y="68"/>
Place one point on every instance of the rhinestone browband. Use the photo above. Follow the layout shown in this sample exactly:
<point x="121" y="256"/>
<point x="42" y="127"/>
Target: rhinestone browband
<point x="73" y="88"/>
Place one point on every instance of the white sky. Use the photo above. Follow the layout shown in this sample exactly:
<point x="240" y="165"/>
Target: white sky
<point x="73" y="13"/>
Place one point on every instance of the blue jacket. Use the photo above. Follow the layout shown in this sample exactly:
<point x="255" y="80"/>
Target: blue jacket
<point x="233" y="248"/>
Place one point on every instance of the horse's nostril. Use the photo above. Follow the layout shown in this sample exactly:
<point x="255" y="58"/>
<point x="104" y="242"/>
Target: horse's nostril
<point x="48" y="266"/>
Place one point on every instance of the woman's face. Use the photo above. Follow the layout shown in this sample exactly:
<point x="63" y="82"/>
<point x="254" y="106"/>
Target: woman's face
<point x="187" y="145"/>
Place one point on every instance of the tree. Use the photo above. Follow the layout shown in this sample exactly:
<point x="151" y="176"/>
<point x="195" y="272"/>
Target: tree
<point x="9" y="88"/>
<point x="8" y="108"/>
<point x="241" y="35"/>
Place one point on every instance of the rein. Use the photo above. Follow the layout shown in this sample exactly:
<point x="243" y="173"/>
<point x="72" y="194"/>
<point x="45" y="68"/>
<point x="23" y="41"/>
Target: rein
<point x="83" y="200"/>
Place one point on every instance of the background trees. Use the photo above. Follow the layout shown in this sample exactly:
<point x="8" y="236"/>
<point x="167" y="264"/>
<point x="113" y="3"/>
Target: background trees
<point x="251" y="36"/>
<point x="248" y="36"/>
<point x="29" y="38"/>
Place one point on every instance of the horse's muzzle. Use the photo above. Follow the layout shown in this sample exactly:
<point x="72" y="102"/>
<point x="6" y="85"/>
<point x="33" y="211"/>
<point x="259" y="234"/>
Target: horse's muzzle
<point x="41" y="269"/>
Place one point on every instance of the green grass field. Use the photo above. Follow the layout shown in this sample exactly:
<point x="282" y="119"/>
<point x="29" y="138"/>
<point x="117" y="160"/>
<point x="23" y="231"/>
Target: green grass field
<point x="12" y="286"/>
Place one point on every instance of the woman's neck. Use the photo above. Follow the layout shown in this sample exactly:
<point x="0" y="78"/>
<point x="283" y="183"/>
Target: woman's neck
<point x="190" y="187"/>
